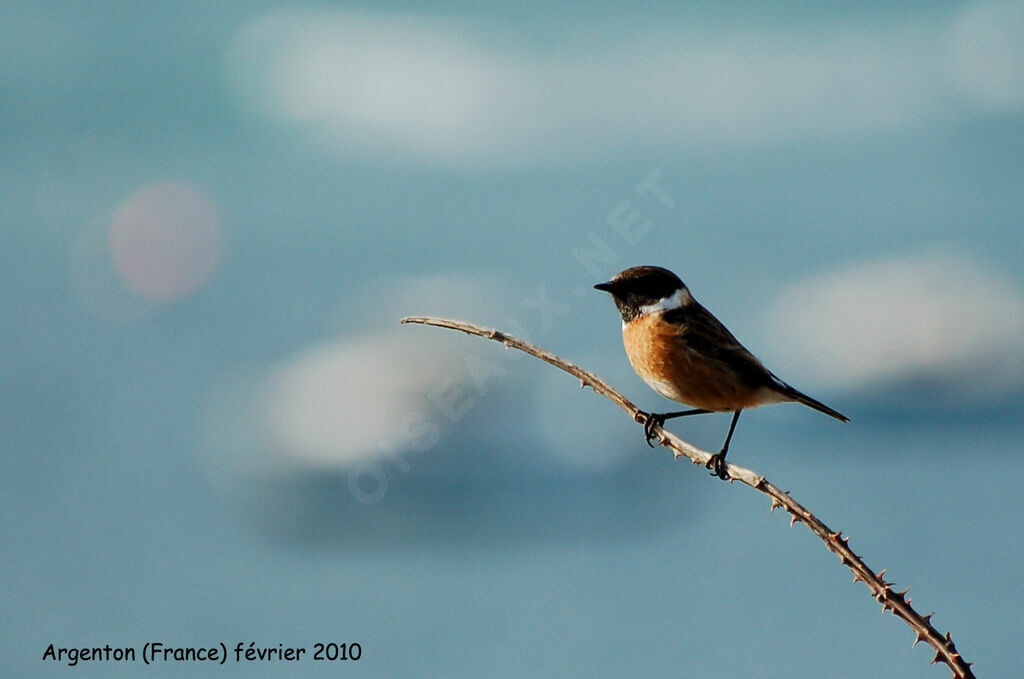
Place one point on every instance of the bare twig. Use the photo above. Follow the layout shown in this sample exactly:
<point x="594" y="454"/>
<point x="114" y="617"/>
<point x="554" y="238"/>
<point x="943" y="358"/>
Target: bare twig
<point x="896" y="602"/>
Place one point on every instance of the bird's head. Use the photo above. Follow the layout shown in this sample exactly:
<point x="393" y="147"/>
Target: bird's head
<point x="641" y="290"/>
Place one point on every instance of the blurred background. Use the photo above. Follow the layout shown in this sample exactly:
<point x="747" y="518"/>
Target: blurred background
<point x="212" y="427"/>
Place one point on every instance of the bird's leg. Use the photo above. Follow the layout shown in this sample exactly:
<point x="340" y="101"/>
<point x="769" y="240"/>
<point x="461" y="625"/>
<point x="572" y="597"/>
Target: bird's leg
<point x="717" y="461"/>
<point x="658" y="419"/>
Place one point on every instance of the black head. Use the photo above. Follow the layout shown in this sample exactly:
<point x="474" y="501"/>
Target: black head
<point x="639" y="287"/>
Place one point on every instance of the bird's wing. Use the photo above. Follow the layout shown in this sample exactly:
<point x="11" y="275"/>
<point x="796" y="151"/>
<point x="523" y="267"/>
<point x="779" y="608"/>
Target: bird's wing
<point x="700" y="333"/>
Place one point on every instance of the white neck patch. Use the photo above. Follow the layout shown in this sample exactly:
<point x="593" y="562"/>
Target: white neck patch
<point x="676" y="300"/>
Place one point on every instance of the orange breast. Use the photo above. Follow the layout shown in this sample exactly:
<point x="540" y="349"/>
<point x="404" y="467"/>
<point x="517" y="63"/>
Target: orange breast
<point x="662" y="359"/>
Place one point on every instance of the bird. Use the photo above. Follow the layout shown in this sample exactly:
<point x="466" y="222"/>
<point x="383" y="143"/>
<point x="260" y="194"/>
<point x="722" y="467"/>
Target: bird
<point x="681" y="351"/>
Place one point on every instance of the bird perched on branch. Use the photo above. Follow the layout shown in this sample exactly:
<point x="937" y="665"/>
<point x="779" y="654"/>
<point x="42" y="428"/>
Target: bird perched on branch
<point x="685" y="354"/>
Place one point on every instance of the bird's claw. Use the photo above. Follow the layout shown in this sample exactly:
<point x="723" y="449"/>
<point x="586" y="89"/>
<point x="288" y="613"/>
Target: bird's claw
<point x="652" y="420"/>
<point x="716" y="463"/>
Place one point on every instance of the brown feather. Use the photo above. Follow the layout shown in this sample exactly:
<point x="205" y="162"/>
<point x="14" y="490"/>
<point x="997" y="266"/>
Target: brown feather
<point x="695" y="360"/>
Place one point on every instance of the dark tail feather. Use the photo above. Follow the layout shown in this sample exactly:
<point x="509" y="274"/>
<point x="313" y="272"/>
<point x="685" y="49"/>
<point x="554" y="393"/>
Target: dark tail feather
<point x="812" y="403"/>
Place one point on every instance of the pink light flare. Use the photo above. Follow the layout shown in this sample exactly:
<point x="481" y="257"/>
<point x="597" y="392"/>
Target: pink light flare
<point x="165" y="240"/>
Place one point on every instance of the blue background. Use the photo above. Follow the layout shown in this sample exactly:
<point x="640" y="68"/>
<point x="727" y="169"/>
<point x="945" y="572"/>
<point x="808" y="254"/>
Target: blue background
<point x="160" y="480"/>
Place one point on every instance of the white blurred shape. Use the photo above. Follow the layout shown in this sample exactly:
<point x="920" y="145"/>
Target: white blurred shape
<point x="164" y="240"/>
<point x="360" y="81"/>
<point x="340" y="403"/>
<point x="987" y="53"/>
<point x="939" y="316"/>
<point x="447" y="90"/>
<point x="370" y="398"/>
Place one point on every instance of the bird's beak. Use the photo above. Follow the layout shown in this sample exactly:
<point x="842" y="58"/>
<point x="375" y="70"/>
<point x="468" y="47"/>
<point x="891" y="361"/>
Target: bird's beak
<point x="606" y="287"/>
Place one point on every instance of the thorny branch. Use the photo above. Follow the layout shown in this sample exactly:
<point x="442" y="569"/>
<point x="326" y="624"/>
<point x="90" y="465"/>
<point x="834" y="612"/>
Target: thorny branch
<point x="895" y="601"/>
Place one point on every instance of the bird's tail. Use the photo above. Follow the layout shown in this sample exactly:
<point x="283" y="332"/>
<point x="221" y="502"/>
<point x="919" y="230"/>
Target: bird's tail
<point x="801" y="397"/>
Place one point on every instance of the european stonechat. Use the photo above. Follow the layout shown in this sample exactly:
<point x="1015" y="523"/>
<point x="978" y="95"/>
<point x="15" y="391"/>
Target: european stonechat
<point x="685" y="354"/>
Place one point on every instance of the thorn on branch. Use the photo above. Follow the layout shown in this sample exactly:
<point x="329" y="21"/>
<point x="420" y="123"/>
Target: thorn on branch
<point x="835" y="541"/>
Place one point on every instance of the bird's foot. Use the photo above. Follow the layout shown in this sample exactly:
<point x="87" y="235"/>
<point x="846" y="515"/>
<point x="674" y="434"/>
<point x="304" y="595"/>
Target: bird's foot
<point x="651" y="421"/>
<point x="716" y="463"/>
